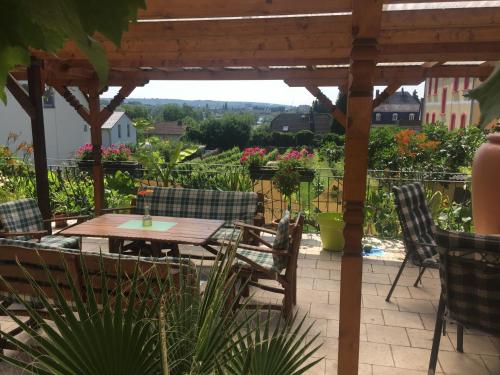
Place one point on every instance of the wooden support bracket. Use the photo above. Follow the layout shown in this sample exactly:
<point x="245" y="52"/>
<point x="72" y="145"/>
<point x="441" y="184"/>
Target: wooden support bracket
<point x="74" y="102"/>
<point x="20" y="94"/>
<point x="389" y="90"/>
<point x="118" y="99"/>
<point x="336" y="112"/>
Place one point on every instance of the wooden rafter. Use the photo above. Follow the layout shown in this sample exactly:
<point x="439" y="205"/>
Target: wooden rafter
<point x="74" y="102"/>
<point x="388" y="91"/>
<point x="20" y="94"/>
<point x="323" y="99"/>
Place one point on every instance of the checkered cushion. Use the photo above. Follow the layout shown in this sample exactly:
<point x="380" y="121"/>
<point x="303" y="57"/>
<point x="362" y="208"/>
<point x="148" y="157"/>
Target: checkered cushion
<point x="264" y="260"/>
<point x="32" y="244"/>
<point x="202" y="204"/>
<point x="61" y="242"/>
<point x="21" y="216"/>
<point x="470" y="279"/>
<point x="281" y="242"/>
<point x="227" y="234"/>
<point x="416" y="222"/>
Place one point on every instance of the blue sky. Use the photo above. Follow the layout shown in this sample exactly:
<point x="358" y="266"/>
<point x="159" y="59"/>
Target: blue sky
<point x="247" y="91"/>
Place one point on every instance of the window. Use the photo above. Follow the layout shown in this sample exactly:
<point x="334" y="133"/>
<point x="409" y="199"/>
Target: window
<point x="455" y="84"/>
<point x="429" y="89"/>
<point x="394" y="117"/>
<point x="128" y="130"/>
<point x="119" y="130"/>
<point x="463" y="120"/>
<point x="436" y="83"/>
<point x="443" y="100"/>
<point x="466" y="83"/>
<point x="411" y="116"/>
<point x="433" y="121"/>
<point x="285" y="128"/>
<point x="378" y="116"/>
<point x="85" y="128"/>
<point x="48" y="98"/>
<point x="453" y="120"/>
<point x="427" y="118"/>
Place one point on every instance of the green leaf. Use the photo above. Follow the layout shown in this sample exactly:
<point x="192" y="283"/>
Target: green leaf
<point x="488" y="96"/>
<point x="9" y="58"/>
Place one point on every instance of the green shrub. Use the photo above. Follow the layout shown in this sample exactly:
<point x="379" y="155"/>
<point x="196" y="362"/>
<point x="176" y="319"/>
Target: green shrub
<point x="304" y="138"/>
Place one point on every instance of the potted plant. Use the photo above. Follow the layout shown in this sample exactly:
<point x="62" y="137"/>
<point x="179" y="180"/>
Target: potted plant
<point x="254" y="158"/>
<point x="331" y="227"/>
<point x="114" y="158"/>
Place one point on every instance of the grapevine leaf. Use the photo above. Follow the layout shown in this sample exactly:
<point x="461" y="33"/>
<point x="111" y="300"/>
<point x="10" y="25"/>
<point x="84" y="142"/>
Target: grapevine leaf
<point x="488" y="96"/>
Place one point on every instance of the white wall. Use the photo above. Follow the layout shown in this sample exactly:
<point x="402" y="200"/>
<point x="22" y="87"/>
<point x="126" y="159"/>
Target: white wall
<point x="112" y="134"/>
<point x="64" y="128"/>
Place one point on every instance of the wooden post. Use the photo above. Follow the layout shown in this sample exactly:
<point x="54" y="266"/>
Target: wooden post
<point x="366" y="28"/>
<point x="96" y="140"/>
<point x="35" y="90"/>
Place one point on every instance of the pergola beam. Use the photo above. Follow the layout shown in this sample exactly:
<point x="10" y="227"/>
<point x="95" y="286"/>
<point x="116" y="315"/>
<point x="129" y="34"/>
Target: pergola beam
<point x="323" y="99"/>
<point x="366" y="18"/>
<point x="118" y="99"/>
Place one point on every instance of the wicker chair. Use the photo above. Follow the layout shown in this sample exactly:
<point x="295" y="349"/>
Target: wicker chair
<point x="418" y="231"/>
<point x="470" y="284"/>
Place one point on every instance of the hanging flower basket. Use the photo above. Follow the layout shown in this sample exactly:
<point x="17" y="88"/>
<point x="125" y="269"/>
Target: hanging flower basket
<point x="267" y="173"/>
<point x="110" y="167"/>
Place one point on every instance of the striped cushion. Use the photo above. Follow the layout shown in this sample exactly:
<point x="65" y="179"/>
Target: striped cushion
<point x="202" y="204"/>
<point x="281" y="242"/>
<point x="21" y="216"/>
<point x="264" y="260"/>
<point x="470" y="279"/>
<point x="416" y="222"/>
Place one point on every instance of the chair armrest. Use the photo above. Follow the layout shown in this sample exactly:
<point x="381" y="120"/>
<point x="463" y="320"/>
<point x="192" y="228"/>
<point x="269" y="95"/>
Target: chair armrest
<point x="243" y="225"/>
<point x="37" y="234"/>
<point x="117" y="209"/>
<point x="63" y="218"/>
<point x="419" y="243"/>
<point x="262" y="250"/>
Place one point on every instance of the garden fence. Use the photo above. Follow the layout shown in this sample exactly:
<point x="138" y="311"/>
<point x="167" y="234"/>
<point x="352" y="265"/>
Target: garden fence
<point x="449" y="199"/>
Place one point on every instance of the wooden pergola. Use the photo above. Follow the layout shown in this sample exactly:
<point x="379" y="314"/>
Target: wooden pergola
<point x="353" y="44"/>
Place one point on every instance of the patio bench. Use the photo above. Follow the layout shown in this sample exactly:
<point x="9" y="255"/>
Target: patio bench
<point x="30" y="254"/>
<point x="230" y="206"/>
<point x="22" y="220"/>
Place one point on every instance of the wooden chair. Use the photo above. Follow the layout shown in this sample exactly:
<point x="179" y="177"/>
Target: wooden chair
<point x="276" y="261"/>
<point x="418" y="231"/>
<point x="22" y="220"/>
<point x="30" y="259"/>
<point x="470" y="284"/>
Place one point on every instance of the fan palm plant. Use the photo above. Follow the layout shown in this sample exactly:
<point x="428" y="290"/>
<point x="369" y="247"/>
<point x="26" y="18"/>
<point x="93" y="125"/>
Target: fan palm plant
<point x="144" y="323"/>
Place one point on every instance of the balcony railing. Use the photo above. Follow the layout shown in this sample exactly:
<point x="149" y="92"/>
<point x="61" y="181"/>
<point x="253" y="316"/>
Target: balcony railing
<point x="448" y="199"/>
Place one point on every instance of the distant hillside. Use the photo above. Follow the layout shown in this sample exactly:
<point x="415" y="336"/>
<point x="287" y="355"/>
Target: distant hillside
<point x="211" y="104"/>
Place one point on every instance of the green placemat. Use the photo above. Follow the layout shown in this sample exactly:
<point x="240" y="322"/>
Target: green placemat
<point x="157" y="225"/>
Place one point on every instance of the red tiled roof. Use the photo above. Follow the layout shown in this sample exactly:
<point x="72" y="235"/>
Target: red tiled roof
<point x="168" y="128"/>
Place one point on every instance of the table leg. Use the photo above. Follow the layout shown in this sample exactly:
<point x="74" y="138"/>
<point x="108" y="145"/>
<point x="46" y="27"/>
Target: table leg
<point x="114" y="245"/>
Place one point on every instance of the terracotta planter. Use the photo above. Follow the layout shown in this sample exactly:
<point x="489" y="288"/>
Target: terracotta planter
<point x="486" y="186"/>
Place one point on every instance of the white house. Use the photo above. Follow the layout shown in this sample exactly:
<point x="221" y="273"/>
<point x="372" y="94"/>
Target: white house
<point x="118" y="129"/>
<point x="65" y="130"/>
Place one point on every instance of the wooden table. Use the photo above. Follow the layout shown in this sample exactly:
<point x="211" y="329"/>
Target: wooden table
<point x="185" y="231"/>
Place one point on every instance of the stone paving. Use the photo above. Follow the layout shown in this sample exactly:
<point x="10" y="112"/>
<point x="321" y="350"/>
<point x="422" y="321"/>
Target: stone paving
<point x="395" y="337"/>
